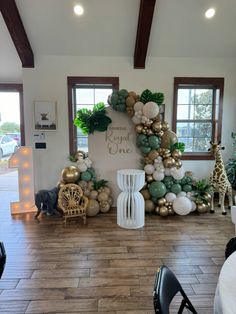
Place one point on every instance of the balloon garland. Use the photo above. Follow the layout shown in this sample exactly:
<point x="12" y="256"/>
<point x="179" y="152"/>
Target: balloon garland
<point x="168" y="188"/>
<point x="99" y="194"/>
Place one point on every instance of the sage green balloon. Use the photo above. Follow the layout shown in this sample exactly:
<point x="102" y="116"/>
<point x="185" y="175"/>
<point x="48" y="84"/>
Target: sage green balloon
<point x="154" y="141"/>
<point x="86" y="176"/>
<point x="157" y="189"/>
<point x="176" y="188"/>
<point x="145" y="149"/>
<point x="187" y="188"/>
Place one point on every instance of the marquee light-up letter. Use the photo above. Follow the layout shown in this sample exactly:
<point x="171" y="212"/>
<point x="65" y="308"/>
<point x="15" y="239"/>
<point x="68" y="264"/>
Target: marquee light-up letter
<point x="22" y="159"/>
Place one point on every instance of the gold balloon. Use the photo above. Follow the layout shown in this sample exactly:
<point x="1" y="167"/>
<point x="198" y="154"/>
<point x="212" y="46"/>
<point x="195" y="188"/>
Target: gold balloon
<point x="83" y="184"/>
<point x="153" y="154"/>
<point x="161" y="133"/>
<point x="60" y="184"/>
<point x="176" y="154"/>
<point x="202" y="208"/>
<point x="188" y="173"/>
<point x="171" y="211"/>
<point x="145" y="193"/>
<point x="90" y="185"/>
<point x="149" y="178"/>
<point x="93" y="208"/>
<point x="139" y="128"/>
<point x="165" y="126"/>
<point x="168" y="162"/>
<point x="93" y="194"/>
<point x="70" y="174"/>
<point x="178" y="164"/>
<point x="102" y="197"/>
<point x="110" y="201"/>
<point x="149" y="132"/>
<point x="169" y="138"/>
<point x="161" y="201"/>
<point x="157" y="210"/>
<point x="104" y="206"/>
<point x="207" y="196"/>
<point x="149" y="206"/>
<point x="107" y="190"/>
<point x="157" y="126"/>
<point x="163" y="211"/>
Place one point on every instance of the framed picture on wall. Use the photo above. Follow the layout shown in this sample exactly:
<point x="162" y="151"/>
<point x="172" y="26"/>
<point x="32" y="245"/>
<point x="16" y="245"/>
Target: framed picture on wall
<point x="45" y="115"/>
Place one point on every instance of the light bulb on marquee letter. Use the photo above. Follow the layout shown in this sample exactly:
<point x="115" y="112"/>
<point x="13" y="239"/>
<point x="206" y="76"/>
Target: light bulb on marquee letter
<point x="22" y="159"/>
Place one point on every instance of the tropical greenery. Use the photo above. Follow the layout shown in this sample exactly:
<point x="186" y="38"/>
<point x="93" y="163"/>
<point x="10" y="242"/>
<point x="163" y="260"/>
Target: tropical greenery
<point x="92" y="120"/>
<point x="201" y="191"/>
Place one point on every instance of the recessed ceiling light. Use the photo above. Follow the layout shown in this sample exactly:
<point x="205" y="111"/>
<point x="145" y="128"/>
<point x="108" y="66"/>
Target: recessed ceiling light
<point x="210" y="13"/>
<point x="78" y="9"/>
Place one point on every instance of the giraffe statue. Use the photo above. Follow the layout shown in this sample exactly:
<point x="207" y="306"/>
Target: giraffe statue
<point x="219" y="180"/>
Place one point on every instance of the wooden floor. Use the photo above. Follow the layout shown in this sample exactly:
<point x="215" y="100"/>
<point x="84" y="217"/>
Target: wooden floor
<point x="101" y="268"/>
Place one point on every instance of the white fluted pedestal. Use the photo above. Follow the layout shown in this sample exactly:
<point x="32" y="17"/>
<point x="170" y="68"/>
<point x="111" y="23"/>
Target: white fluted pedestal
<point x="130" y="202"/>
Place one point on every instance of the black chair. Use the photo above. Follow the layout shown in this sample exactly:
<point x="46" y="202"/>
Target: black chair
<point x="230" y="247"/>
<point x="2" y="258"/>
<point x="166" y="286"/>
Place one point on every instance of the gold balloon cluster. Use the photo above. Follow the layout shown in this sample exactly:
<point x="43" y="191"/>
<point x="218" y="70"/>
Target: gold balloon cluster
<point x="204" y="205"/>
<point x="100" y="200"/>
<point x="130" y="101"/>
<point x="163" y="207"/>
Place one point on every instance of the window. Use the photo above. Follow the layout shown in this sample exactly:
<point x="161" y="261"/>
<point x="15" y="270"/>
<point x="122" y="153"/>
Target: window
<point x="11" y="112"/>
<point x="197" y="114"/>
<point x="84" y="92"/>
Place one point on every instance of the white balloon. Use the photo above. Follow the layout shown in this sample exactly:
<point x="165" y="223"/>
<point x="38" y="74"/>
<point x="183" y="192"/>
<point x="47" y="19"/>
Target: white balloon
<point x="167" y="171"/>
<point x="82" y="166"/>
<point x="170" y="197"/>
<point x="158" y="176"/>
<point x="136" y="120"/>
<point x="150" y="110"/>
<point x="177" y="174"/>
<point x="149" y="169"/>
<point x="138" y="106"/>
<point x="189" y="195"/>
<point x="182" y="193"/>
<point x="182" y="205"/>
<point x="194" y="206"/>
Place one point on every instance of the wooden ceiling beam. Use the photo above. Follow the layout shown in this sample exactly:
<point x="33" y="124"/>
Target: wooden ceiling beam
<point x="146" y="11"/>
<point x="16" y="29"/>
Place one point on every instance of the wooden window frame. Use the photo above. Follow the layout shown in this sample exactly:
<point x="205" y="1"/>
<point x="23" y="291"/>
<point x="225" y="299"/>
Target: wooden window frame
<point x="76" y="80"/>
<point x="8" y="87"/>
<point x="216" y="82"/>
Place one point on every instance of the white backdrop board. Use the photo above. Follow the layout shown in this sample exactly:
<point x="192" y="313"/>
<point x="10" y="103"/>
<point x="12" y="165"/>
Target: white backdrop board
<point x="114" y="149"/>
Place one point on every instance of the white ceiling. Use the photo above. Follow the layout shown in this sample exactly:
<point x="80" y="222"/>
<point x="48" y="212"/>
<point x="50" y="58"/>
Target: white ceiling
<point x="108" y="28"/>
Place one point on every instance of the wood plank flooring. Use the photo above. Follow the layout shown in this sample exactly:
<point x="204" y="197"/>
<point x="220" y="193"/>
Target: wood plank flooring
<point x="101" y="268"/>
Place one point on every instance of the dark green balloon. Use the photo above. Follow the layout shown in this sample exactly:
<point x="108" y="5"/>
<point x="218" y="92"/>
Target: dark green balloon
<point x="176" y="188"/>
<point x="157" y="189"/>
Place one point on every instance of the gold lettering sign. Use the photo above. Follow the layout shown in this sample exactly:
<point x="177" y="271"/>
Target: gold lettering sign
<point x="119" y="140"/>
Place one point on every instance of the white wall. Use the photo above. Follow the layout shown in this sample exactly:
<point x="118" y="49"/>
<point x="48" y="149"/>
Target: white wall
<point x="48" y="81"/>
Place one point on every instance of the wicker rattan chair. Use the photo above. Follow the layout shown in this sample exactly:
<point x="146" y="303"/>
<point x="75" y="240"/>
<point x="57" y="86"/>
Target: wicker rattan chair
<point x="72" y="202"/>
